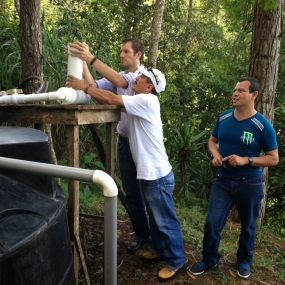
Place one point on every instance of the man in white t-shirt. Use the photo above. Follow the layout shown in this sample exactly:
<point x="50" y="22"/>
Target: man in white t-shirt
<point x="154" y="171"/>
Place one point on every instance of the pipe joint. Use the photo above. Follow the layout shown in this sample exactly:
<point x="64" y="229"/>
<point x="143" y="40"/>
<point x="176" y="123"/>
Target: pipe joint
<point x="106" y="181"/>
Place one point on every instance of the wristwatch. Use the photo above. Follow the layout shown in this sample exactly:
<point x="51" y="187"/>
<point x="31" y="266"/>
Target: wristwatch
<point x="250" y="160"/>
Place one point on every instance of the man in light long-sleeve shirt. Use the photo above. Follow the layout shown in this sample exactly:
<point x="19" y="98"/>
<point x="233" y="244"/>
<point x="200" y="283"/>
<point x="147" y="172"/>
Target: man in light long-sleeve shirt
<point x="131" y="54"/>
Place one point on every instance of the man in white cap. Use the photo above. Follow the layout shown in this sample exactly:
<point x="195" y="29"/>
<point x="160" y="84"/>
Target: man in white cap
<point x="154" y="171"/>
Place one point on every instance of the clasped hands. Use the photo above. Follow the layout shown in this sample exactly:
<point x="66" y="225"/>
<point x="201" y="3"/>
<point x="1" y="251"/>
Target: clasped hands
<point x="234" y="160"/>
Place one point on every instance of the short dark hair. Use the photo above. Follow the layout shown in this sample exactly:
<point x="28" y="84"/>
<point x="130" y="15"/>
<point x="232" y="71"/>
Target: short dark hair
<point x="137" y="46"/>
<point x="254" y="84"/>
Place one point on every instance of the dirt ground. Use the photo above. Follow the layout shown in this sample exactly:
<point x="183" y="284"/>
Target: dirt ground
<point x="132" y="271"/>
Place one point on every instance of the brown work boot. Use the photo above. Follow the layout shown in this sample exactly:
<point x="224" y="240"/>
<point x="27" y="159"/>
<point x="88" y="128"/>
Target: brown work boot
<point x="166" y="273"/>
<point x="149" y="256"/>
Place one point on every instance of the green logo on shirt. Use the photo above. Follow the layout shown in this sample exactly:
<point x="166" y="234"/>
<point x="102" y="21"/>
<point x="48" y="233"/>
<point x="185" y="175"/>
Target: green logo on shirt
<point x="247" y="136"/>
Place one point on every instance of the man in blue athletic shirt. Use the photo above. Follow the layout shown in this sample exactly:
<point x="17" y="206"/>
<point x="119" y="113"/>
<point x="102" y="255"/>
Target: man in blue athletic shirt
<point x="243" y="141"/>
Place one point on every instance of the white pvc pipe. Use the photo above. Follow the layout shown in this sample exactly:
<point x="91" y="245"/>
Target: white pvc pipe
<point x="64" y="94"/>
<point x="97" y="177"/>
<point x="22" y="98"/>
<point x="107" y="182"/>
<point x="74" y="65"/>
<point x="73" y="96"/>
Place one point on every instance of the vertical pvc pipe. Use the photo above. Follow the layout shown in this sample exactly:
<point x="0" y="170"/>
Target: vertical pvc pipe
<point x="110" y="240"/>
<point x="74" y="65"/>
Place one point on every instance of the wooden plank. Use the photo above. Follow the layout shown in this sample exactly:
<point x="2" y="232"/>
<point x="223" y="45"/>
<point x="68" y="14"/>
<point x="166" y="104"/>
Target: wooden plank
<point x="98" y="116"/>
<point x="62" y="107"/>
<point x="50" y="114"/>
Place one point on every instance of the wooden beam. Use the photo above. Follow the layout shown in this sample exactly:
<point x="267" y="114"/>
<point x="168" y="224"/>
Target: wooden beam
<point x="110" y="149"/>
<point x="73" y="193"/>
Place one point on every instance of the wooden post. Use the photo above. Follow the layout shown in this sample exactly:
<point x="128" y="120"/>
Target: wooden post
<point x="73" y="192"/>
<point x="110" y="149"/>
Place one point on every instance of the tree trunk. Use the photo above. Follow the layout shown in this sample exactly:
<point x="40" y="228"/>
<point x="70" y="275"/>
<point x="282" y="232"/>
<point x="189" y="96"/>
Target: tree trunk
<point x="31" y="52"/>
<point x="31" y="38"/>
<point x="17" y="6"/>
<point x="266" y="36"/>
<point x="190" y="12"/>
<point x="155" y="32"/>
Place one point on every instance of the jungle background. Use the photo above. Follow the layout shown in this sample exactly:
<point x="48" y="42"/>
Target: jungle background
<point x="204" y="47"/>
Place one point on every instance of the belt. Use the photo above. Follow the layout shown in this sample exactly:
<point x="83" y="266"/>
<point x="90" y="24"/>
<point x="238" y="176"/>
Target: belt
<point x="229" y="178"/>
<point x="125" y="140"/>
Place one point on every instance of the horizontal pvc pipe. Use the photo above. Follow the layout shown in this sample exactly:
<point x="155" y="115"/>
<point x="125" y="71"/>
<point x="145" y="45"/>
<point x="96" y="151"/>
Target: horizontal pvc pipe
<point x="64" y="94"/>
<point x="100" y="177"/>
<point x="22" y="98"/>
<point x="43" y="97"/>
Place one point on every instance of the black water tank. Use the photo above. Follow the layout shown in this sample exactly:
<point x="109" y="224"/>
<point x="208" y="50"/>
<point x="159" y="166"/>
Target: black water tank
<point x="34" y="239"/>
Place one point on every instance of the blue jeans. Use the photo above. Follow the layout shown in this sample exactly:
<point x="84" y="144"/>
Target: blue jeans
<point x="246" y="194"/>
<point x="134" y="198"/>
<point x="164" y="224"/>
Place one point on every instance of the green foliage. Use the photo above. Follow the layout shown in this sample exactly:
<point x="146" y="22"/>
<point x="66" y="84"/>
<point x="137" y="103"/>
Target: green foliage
<point x="10" y="69"/>
<point x="275" y="214"/>
<point x="90" y="195"/>
<point x="55" y="59"/>
<point x="185" y="138"/>
<point x="187" y="142"/>
<point x="202" y="178"/>
<point x="267" y="4"/>
<point x="192" y="219"/>
<point x="91" y="161"/>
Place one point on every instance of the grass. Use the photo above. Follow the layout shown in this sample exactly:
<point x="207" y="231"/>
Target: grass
<point x="269" y="253"/>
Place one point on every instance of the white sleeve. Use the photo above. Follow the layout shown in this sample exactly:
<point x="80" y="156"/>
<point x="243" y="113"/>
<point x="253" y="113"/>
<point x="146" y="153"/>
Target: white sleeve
<point x="137" y="105"/>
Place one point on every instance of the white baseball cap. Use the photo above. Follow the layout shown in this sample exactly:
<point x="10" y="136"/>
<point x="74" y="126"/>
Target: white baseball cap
<point x="157" y="77"/>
